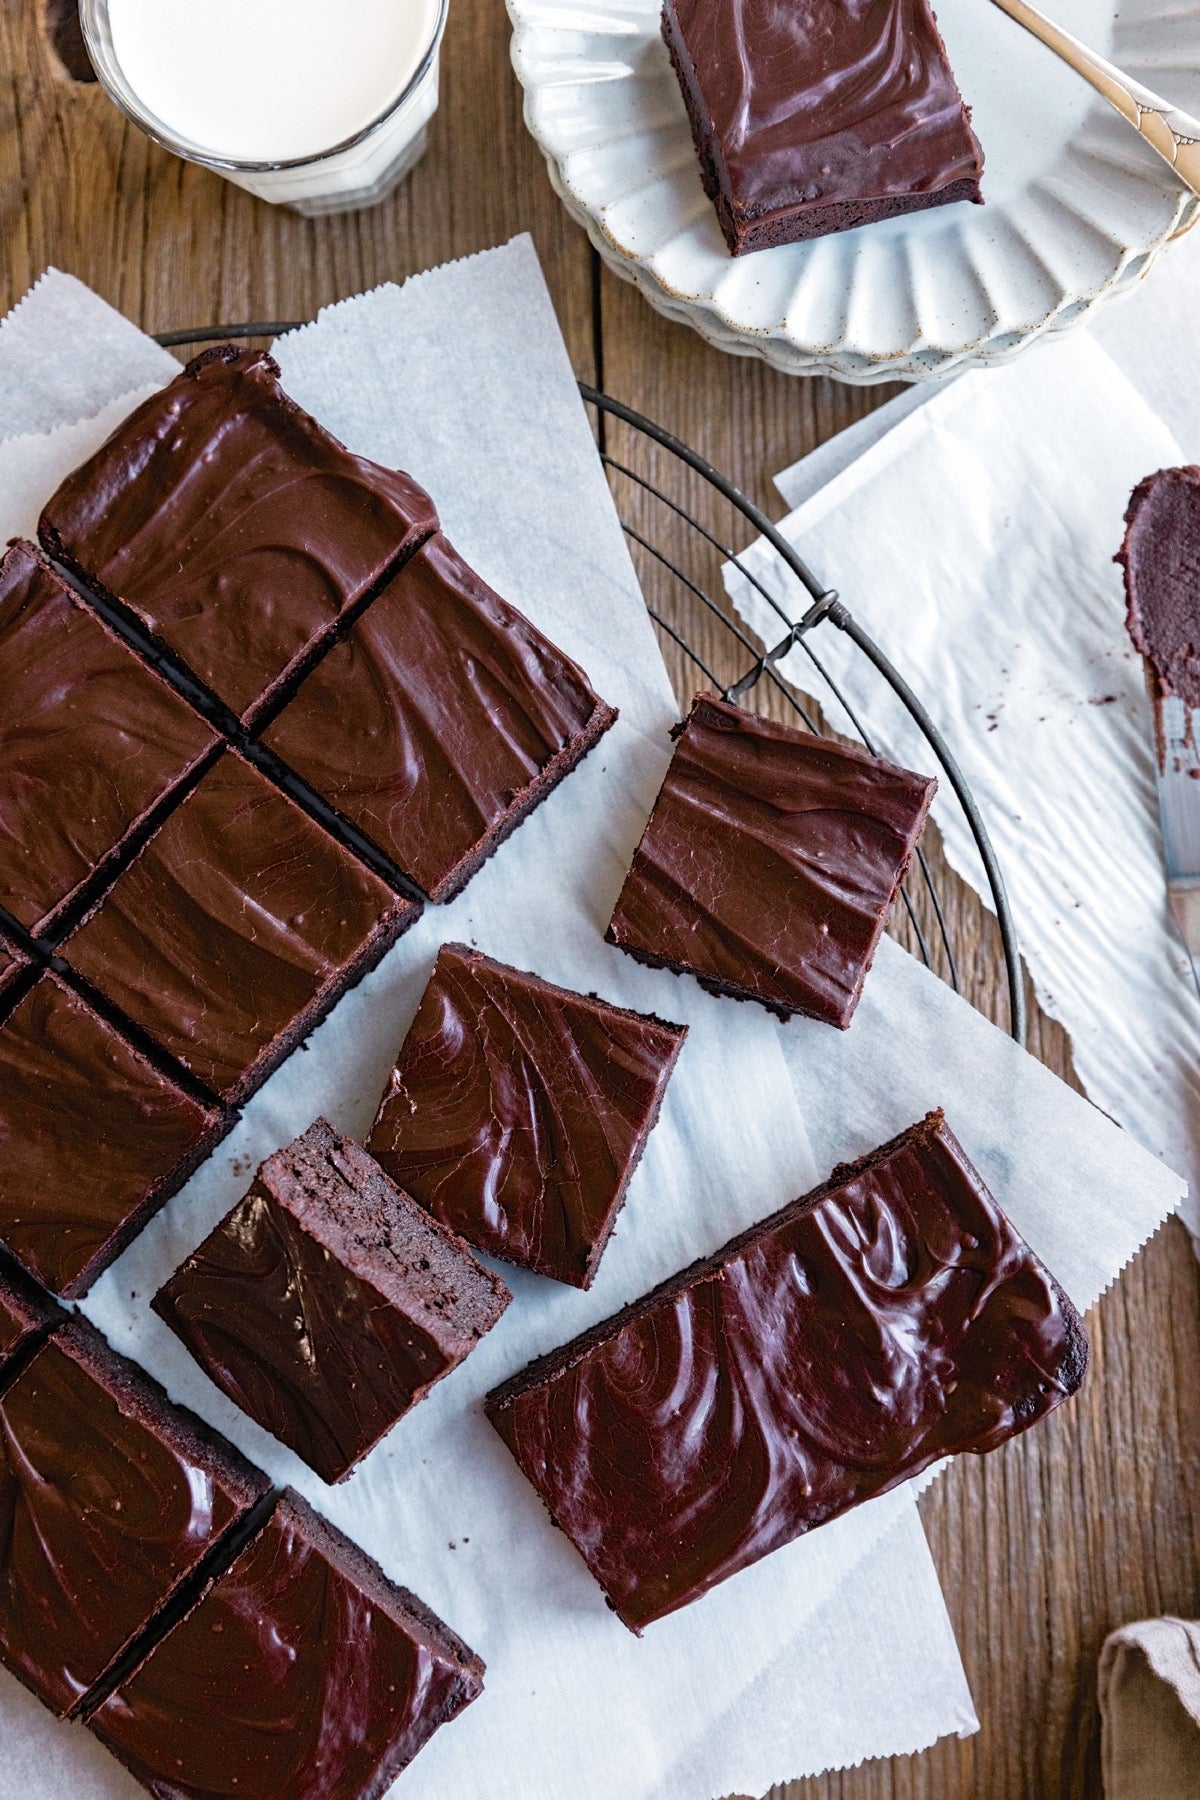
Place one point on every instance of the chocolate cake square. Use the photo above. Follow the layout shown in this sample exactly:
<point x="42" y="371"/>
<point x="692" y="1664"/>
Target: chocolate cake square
<point x="889" y="1319"/>
<point x="93" y="1138"/>
<point x="519" y="1111"/>
<point x="27" y="1313"/>
<point x="440" y="721"/>
<point x="817" y="118"/>
<point x="235" y="930"/>
<point x="245" y="1696"/>
<point x="327" y="1303"/>
<point x="90" y="741"/>
<point x="109" y="1497"/>
<point x="771" y="863"/>
<point x="231" y="526"/>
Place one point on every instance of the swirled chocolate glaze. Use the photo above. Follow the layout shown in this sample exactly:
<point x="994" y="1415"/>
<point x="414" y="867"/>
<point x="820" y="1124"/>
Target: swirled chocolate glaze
<point x="303" y="1674"/>
<point x="90" y="739"/>
<point x="109" y="1496"/>
<point x="328" y="1303"/>
<point x="770" y="863"/>
<point x="519" y="1111"/>
<point x="93" y="1139"/>
<point x="26" y="1313"/>
<point x="235" y="929"/>
<point x="820" y="115"/>
<point x="891" y="1318"/>
<point x="440" y="721"/>
<point x="232" y="525"/>
<point x="1161" y="558"/>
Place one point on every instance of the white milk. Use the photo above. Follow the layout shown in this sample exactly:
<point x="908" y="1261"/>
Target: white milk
<point x="277" y="81"/>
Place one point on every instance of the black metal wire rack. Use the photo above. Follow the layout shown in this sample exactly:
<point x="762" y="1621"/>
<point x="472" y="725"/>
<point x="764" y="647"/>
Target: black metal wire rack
<point x="826" y="612"/>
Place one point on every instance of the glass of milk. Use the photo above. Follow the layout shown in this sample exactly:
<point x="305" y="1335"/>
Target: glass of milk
<point x="322" y="105"/>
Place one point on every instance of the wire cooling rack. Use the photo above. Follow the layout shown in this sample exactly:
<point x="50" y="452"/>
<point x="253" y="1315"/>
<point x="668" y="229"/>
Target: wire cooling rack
<point x="679" y="548"/>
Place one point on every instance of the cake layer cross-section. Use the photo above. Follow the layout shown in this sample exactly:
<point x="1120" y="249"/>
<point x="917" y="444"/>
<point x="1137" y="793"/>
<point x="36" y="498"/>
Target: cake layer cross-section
<point x="328" y="1303"/>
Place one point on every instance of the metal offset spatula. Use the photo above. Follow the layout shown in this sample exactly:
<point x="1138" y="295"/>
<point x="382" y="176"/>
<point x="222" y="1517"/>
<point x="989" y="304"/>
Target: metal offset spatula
<point x="1179" y="806"/>
<point x="1174" y="134"/>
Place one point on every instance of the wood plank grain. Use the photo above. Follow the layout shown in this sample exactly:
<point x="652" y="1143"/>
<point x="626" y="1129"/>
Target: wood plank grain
<point x="1093" y="1519"/>
<point x="172" y="245"/>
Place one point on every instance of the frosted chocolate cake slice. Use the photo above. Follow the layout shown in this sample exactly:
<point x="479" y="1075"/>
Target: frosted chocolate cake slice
<point x="302" y="1673"/>
<point x="890" y="1318"/>
<point x="439" y="721"/>
<point x="770" y="863"/>
<point x="518" y="1111"/>
<point x="235" y="929"/>
<point x="328" y="1303"/>
<point x="819" y="117"/>
<point x="231" y="526"/>
<point x="91" y="741"/>
<point x="94" y="1137"/>
<point x="109" y="1497"/>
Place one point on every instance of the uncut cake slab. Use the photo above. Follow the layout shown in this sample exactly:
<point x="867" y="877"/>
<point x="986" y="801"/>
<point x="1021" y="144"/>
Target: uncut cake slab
<point x="474" y="355"/>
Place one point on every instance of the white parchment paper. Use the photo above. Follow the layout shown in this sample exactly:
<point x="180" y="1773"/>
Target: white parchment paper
<point x="975" y="540"/>
<point x="462" y="377"/>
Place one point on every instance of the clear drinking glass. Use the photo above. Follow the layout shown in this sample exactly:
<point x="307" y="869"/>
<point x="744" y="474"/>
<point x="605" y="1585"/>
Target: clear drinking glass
<point x="359" y="171"/>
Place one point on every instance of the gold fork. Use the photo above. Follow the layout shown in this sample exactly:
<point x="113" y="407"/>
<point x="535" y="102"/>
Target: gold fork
<point x="1174" y="135"/>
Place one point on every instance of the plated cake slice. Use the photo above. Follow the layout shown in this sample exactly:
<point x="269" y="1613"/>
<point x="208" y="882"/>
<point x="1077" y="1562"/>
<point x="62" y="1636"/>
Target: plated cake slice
<point x="328" y="1303"/>
<point x="236" y="928"/>
<point x="231" y="526"/>
<point x="819" y="117"/>
<point x="518" y="1111"/>
<point x="94" y="1137"/>
<point x="771" y="862"/>
<point x="302" y="1673"/>
<point x="109" y="1497"/>
<point x="439" y="721"/>
<point x="890" y="1318"/>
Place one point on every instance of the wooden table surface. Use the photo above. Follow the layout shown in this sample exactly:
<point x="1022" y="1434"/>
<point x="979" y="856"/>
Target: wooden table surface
<point x="1091" y="1520"/>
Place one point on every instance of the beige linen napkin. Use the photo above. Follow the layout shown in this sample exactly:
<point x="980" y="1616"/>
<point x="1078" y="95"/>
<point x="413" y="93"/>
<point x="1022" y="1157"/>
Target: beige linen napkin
<point x="1150" y="1711"/>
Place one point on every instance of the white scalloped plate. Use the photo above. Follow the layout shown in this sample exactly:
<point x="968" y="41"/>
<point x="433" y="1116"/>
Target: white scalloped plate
<point x="1077" y="207"/>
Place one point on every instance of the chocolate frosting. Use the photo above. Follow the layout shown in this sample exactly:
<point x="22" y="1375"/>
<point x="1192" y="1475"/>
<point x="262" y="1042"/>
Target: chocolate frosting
<point x="89" y="739"/>
<point x="828" y="102"/>
<point x="439" y="721"/>
<point x="25" y="1312"/>
<point x="301" y="1674"/>
<point x="106" y="1502"/>
<point x="313" y="1309"/>
<point x="91" y="1137"/>
<point x="519" y="1111"/>
<point x="770" y="862"/>
<point x="231" y="524"/>
<point x="892" y="1318"/>
<point x="235" y="929"/>
<point x="1161" y="557"/>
